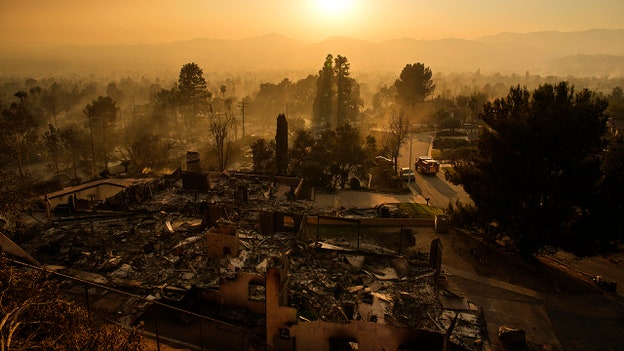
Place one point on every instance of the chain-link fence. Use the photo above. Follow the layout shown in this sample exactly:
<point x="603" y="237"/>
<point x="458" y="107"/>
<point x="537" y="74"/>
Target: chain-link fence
<point x="179" y="320"/>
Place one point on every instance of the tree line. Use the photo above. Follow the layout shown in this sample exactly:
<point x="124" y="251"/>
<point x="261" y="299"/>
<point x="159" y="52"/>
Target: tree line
<point x="332" y="152"/>
<point x="148" y="137"/>
<point x="544" y="173"/>
<point x="547" y="172"/>
<point x="325" y="131"/>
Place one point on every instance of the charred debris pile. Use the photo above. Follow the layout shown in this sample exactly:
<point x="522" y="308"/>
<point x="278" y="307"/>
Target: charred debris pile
<point x="172" y="236"/>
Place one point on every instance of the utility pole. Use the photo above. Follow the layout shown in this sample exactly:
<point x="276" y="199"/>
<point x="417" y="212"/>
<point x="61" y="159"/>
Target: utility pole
<point x="120" y="119"/>
<point x="92" y="145"/>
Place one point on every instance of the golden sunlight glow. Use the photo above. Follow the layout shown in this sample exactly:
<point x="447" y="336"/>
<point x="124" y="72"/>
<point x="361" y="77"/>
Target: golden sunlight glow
<point x="162" y="21"/>
<point x="333" y="7"/>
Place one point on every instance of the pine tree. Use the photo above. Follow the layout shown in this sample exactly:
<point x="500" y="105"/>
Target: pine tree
<point x="281" y="145"/>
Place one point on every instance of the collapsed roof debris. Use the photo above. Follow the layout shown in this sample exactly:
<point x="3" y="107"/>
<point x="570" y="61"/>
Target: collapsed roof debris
<point x="165" y="239"/>
<point x="341" y="287"/>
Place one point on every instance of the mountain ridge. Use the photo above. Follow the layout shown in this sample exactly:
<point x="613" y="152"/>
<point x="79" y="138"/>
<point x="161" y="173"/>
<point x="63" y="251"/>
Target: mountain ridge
<point x="505" y="52"/>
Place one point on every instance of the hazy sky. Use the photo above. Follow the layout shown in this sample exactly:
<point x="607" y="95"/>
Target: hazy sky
<point x="157" y="21"/>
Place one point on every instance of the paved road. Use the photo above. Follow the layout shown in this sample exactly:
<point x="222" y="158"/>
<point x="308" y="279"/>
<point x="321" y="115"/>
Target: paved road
<point x="556" y="313"/>
<point x="433" y="187"/>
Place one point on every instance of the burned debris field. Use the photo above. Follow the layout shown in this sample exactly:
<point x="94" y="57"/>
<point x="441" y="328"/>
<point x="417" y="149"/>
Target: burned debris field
<point x="202" y="266"/>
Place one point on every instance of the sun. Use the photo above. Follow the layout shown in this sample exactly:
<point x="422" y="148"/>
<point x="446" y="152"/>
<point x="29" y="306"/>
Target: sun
<point x="333" y="8"/>
<point x="329" y="18"/>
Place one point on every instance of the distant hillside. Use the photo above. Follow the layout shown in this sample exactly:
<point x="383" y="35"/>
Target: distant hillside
<point x="587" y="65"/>
<point x="590" y="53"/>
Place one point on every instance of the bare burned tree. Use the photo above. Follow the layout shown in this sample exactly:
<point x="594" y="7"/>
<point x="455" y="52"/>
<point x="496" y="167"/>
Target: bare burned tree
<point x="220" y="124"/>
<point x="395" y="135"/>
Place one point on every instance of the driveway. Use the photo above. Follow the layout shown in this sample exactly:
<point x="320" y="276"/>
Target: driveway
<point x="433" y="187"/>
<point x="557" y="312"/>
<point x="360" y="199"/>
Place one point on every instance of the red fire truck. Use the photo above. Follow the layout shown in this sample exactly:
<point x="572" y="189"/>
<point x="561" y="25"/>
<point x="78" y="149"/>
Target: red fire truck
<point x="427" y="165"/>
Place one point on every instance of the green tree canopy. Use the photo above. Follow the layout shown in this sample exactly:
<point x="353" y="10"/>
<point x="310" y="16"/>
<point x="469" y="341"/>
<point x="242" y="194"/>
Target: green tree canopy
<point x="165" y="110"/>
<point x="300" y="152"/>
<point x="537" y="163"/>
<point x="414" y="85"/>
<point x="144" y="148"/>
<point x="297" y="97"/>
<point x="263" y="154"/>
<point x="328" y="159"/>
<point x="192" y="85"/>
<point x="349" y="154"/>
<point x="193" y="96"/>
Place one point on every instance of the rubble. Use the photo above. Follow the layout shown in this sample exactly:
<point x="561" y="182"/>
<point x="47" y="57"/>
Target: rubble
<point x="168" y="240"/>
<point x="512" y="338"/>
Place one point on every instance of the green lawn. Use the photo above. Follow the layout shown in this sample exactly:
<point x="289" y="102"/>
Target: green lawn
<point x="414" y="210"/>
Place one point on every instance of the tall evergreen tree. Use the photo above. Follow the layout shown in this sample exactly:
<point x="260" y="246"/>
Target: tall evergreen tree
<point x="193" y="95"/>
<point x="348" y="100"/>
<point x="322" y="107"/>
<point x="281" y="145"/>
<point x="192" y="85"/>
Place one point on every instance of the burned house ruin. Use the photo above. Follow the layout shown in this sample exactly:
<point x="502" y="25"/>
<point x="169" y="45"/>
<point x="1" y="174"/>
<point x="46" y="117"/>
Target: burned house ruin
<point x="235" y="259"/>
